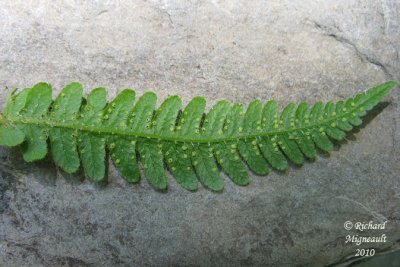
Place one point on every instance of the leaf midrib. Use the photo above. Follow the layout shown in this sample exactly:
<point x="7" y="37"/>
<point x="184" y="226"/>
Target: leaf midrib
<point x="128" y="132"/>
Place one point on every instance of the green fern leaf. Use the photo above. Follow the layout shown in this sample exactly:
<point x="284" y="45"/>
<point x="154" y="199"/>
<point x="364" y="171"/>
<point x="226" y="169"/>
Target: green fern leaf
<point x="192" y="145"/>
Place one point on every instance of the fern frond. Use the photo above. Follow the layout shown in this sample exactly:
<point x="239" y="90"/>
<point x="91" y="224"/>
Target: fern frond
<point x="192" y="145"/>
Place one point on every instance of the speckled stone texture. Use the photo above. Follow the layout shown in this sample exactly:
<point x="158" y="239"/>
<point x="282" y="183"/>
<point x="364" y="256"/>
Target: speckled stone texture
<point x="291" y="51"/>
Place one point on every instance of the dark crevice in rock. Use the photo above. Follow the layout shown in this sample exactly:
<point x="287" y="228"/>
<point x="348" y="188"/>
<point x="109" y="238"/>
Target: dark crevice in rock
<point x="351" y="260"/>
<point x="363" y="56"/>
<point x="377" y="63"/>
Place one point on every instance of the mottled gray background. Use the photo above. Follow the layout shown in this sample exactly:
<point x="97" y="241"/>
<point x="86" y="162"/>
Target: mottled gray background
<point x="238" y="50"/>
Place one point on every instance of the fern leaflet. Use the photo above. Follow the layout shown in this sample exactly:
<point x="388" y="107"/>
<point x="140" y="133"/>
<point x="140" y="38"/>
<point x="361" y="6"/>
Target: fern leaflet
<point x="192" y="145"/>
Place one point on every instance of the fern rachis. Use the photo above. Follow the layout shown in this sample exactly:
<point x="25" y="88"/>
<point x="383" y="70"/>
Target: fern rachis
<point x="191" y="144"/>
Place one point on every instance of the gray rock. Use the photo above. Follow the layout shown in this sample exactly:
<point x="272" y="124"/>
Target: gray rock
<point x="291" y="51"/>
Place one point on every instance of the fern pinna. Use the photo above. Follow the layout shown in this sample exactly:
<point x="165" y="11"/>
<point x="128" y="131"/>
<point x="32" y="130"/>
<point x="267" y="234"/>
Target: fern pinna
<point x="192" y="145"/>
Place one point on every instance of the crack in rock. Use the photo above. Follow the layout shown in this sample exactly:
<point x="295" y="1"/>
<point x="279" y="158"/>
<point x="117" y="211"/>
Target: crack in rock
<point x="363" y="56"/>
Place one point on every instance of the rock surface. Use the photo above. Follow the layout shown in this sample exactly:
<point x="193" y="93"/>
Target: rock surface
<point x="237" y="50"/>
